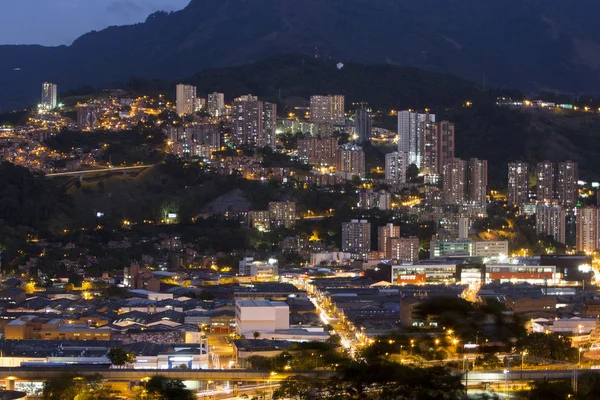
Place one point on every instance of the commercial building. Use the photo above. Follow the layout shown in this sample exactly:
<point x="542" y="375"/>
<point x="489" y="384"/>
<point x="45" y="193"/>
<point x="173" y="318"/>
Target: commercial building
<point x="49" y="96"/>
<point x="437" y="146"/>
<point x="363" y="123"/>
<point x="395" y="167"/>
<point x="477" y="182"/>
<point x="403" y="249"/>
<point x="410" y="134"/>
<point x="350" y="161"/>
<point x="384" y="233"/>
<point x="551" y="221"/>
<point x="587" y="229"/>
<point x="448" y="248"/>
<point x="454" y="183"/>
<point x="566" y="185"/>
<point x="186" y="99"/>
<point x="261" y="316"/>
<point x="215" y="104"/>
<point x="317" y="151"/>
<point x="545" y="181"/>
<point x="327" y="109"/>
<point x="356" y="237"/>
<point x="518" y="183"/>
<point x="260" y="270"/>
<point x="282" y="213"/>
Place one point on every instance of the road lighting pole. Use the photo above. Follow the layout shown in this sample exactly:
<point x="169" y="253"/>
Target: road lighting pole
<point x="523" y="354"/>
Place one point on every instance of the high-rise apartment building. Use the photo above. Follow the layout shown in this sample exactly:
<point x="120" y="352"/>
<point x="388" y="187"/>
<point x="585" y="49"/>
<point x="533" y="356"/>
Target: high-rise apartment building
<point x="49" y="96"/>
<point x="384" y="233"/>
<point x="268" y="138"/>
<point x="454" y="181"/>
<point x="545" y="181"/>
<point x="356" y="237"/>
<point x="403" y="249"/>
<point x="253" y="122"/>
<point x="587" y="225"/>
<point x="215" y="104"/>
<point x="477" y="182"/>
<point x="395" y="167"/>
<point x="410" y="134"/>
<point x="363" y="123"/>
<point x="437" y="146"/>
<point x="350" y="161"/>
<point x="282" y="213"/>
<point x="566" y="185"/>
<point x="518" y="183"/>
<point x="329" y="109"/>
<point x="551" y="221"/>
<point x="186" y="99"/>
<point x="317" y="151"/>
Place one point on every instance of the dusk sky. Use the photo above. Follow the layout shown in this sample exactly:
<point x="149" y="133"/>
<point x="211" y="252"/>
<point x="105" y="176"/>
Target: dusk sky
<point x="56" y="22"/>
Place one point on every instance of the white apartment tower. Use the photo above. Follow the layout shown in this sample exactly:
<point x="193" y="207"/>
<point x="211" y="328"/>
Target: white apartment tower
<point x="395" y="167"/>
<point x="518" y="183"/>
<point x="545" y="181"/>
<point x="49" y="96"/>
<point x="186" y="99"/>
<point x="587" y="229"/>
<point x="215" y="104"/>
<point x="356" y="237"/>
<point x="410" y="134"/>
<point x="551" y="221"/>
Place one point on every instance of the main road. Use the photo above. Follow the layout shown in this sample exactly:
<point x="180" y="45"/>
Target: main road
<point x="99" y="170"/>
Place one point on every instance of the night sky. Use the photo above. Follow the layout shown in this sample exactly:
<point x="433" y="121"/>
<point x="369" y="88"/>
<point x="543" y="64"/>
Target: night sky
<point x="55" y="22"/>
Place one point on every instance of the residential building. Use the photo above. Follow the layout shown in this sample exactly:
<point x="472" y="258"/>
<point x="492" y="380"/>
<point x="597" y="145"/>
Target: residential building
<point x="350" y="161"/>
<point x="454" y="181"/>
<point x="261" y="316"/>
<point x="367" y="200"/>
<point x="410" y="134"/>
<point x="395" y="167"/>
<point x="317" y="151"/>
<point x="551" y="221"/>
<point x="49" y="96"/>
<point x="518" y="183"/>
<point x="363" y="123"/>
<point x="282" y="213"/>
<point x="259" y="219"/>
<point x="384" y="233"/>
<point x="356" y="237"/>
<point x="327" y="109"/>
<point x="254" y="122"/>
<point x="403" y="249"/>
<point x="186" y="99"/>
<point x="566" y="184"/>
<point x="437" y="146"/>
<point x="588" y="223"/>
<point x="477" y="182"/>
<point x="545" y="182"/>
<point x="215" y="104"/>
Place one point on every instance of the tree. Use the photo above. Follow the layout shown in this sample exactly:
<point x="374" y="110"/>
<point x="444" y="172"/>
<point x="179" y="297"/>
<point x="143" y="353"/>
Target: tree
<point x="412" y="172"/>
<point x="549" y="346"/>
<point x="71" y="387"/>
<point x="161" y="388"/>
<point x="256" y="335"/>
<point x="119" y="356"/>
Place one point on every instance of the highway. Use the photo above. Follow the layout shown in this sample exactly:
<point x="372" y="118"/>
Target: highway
<point x="95" y="171"/>
<point x="526" y="375"/>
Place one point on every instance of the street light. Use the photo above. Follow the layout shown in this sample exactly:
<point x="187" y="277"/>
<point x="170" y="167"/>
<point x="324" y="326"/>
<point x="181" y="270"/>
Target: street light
<point x="523" y="354"/>
<point x="579" y="358"/>
<point x="505" y="380"/>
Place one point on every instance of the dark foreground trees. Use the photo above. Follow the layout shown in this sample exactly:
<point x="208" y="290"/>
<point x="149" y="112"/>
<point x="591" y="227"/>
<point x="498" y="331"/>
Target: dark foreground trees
<point x="376" y="380"/>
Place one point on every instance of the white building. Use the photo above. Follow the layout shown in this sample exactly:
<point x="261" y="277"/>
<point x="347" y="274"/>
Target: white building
<point x="49" y="96"/>
<point x="327" y="109"/>
<point x="186" y="99"/>
<point x="261" y="316"/>
<point x="410" y="134"/>
<point x="216" y="104"/>
<point x="395" y="167"/>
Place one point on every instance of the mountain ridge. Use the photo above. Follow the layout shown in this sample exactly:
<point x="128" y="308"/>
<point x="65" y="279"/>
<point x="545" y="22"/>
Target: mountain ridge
<point x="526" y="44"/>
